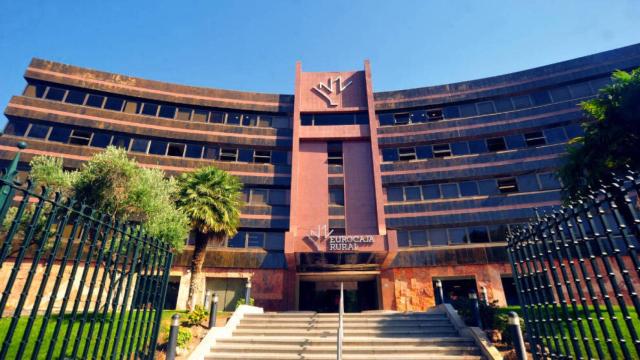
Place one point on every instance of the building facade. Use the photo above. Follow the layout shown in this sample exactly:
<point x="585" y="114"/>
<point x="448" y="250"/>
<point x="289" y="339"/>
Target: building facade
<point x="386" y="192"/>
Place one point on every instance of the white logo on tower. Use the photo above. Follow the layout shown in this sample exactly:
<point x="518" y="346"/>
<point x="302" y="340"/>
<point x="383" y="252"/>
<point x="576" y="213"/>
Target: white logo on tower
<point x="326" y="90"/>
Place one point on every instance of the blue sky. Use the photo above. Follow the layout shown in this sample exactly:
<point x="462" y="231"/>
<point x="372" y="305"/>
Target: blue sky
<point x="253" y="45"/>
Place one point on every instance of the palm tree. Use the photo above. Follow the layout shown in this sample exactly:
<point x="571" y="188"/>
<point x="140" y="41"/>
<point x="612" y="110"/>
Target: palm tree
<point x="210" y="197"/>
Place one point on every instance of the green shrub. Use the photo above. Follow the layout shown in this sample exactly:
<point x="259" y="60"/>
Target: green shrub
<point x="197" y="316"/>
<point x="184" y="337"/>
<point x="242" y="302"/>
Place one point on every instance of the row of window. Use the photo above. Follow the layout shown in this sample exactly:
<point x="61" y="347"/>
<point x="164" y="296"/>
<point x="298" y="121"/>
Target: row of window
<point x="249" y="239"/>
<point x="559" y="94"/>
<point x="357" y="118"/>
<point x="522" y="183"/>
<point x="453" y="236"/>
<point x="531" y="139"/>
<point x="102" y="139"/>
<point x="257" y="196"/>
<point x="151" y="108"/>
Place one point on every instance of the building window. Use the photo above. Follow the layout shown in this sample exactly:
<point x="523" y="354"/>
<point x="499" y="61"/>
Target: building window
<point x="541" y="98"/>
<point x="485" y="107"/>
<point x="75" y="97"/>
<point x="233" y="118"/>
<point x="336" y="196"/>
<point x="503" y="105"/>
<point x="449" y="191"/>
<point x="80" y="137"/>
<point x="216" y="117"/>
<point x="210" y="152"/>
<point x="94" y="100"/>
<point x="560" y="94"/>
<point x="258" y="197"/>
<point x="100" y="140"/>
<point x="521" y="102"/>
<point x="255" y="239"/>
<point x="38" y="131"/>
<point x="264" y="121"/>
<point x="469" y="188"/>
<point x="507" y="185"/>
<point x="389" y="155"/>
<point x="395" y="194"/>
<point x="412" y="193"/>
<point x="121" y="141"/>
<point x="132" y="107"/>
<point x="535" y="138"/>
<point x="477" y="146"/>
<point x="167" y="111"/>
<point x="176" y="149"/>
<point x="442" y="150"/>
<point x="35" y="90"/>
<point x="407" y="154"/>
<point x="140" y="145"/>
<point x="401" y="119"/>
<point x="262" y="156"/>
<point x="277" y="197"/>
<point x="580" y="90"/>
<point x="467" y="110"/>
<point x="435" y="114"/>
<point x="150" y="109"/>
<point x="194" y="151"/>
<point x="249" y="120"/>
<point x="55" y="94"/>
<point x="451" y="112"/>
<point x="430" y="192"/>
<point x="114" y="103"/>
<point x="334" y="153"/>
<point x="460" y="148"/>
<point x="418" y="238"/>
<point x="229" y="154"/>
<point x="457" y="236"/>
<point x="158" y="147"/>
<point x="549" y="181"/>
<point x="496" y="144"/>
<point x="478" y="234"/>
<point x="438" y="237"/>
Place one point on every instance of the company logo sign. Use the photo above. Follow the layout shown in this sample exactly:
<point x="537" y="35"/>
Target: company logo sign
<point x="331" y="89"/>
<point x="324" y="237"/>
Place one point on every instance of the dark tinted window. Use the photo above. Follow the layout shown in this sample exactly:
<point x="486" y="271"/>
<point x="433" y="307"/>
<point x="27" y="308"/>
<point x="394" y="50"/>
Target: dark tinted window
<point x="496" y="144"/>
<point x="535" y="138"/>
<point x="395" y="194"/>
<point x="139" y="145"/>
<point x="555" y="135"/>
<point x="441" y="150"/>
<point x="114" y="103"/>
<point x="389" y="155"/>
<point x="507" y="185"/>
<point x="101" y="140"/>
<point x="385" y="119"/>
<point x="503" y="104"/>
<point x="75" y="97"/>
<point x="233" y="118"/>
<point x="438" y="237"/>
<point x="279" y="157"/>
<point x="485" y="107"/>
<point x="449" y="190"/>
<point x="158" y="147"/>
<point x="121" y="141"/>
<point x="150" y="109"/>
<point x="38" y="131"/>
<point x="237" y="241"/>
<point x="541" y="98"/>
<point x="458" y="236"/>
<point x="401" y="119"/>
<point x="487" y="187"/>
<point x="527" y="182"/>
<point x="460" y="148"/>
<point x="55" y="94"/>
<point x="200" y="116"/>
<point x="94" y="100"/>
<point x="250" y="120"/>
<point x="580" y="90"/>
<point x="430" y="192"/>
<point x="60" y="134"/>
<point x="418" y="238"/>
<point x="229" y="154"/>
<point x="183" y="114"/>
<point x="477" y="146"/>
<point x="262" y="156"/>
<point x="478" y="234"/>
<point x="277" y="197"/>
<point x="451" y="112"/>
<point x="424" y="152"/>
<point x="574" y="130"/>
<point x="498" y="233"/>
<point x="216" y="117"/>
<point x="468" y="110"/>
<point x="549" y="181"/>
<point x="560" y="94"/>
<point x="194" y="151"/>
<point x="80" y="137"/>
<point x="255" y="239"/>
<point x="274" y="241"/>
<point x="175" y="149"/>
<point x="336" y="196"/>
<point x="469" y="188"/>
<point x="17" y="127"/>
<point x="403" y="238"/>
<point x="418" y="116"/>
<point x="245" y="155"/>
<point x="306" y="119"/>
<point x="522" y="101"/>
<point x="167" y="111"/>
<point x="210" y="152"/>
<point x="515" y="141"/>
<point x="412" y="193"/>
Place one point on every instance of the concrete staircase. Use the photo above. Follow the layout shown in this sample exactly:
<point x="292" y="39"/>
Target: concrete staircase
<point x="370" y="336"/>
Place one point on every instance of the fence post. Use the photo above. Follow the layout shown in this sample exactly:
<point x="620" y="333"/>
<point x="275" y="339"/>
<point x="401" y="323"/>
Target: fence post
<point x="173" y="337"/>
<point x="439" y="293"/>
<point x="6" y="192"/>
<point x="213" y="314"/>
<point x="516" y="335"/>
<point x="247" y="293"/>
<point x="475" y="309"/>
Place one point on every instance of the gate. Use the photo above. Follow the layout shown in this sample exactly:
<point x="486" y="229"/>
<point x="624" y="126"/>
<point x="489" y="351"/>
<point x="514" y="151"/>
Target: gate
<point x="577" y="274"/>
<point x="76" y="284"/>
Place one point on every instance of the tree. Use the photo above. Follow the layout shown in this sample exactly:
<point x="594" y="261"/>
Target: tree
<point x="210" y="197"/>
<point x="611" y="137"/>
<point x="112" y="183"/>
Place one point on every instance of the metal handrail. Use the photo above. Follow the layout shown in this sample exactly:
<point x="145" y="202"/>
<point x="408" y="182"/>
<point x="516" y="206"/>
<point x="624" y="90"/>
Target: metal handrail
<point x="340" y="323"/>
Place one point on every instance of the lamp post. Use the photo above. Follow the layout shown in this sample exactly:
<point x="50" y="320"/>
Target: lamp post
<point x="439" y="292"/>
<point x="173" y="337"/>
<point x="247" y="293"/>
<point x="475" y="309"/>
<point x="213" y="314"/>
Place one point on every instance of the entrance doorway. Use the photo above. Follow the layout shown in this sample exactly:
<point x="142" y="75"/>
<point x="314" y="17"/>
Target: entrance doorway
<point x="456" y="289"/>
<point x="321" y="293"/>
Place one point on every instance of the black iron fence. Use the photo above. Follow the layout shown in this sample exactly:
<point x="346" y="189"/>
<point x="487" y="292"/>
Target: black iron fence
<point x="577" y="274"/>
<point x="76" y="284"/>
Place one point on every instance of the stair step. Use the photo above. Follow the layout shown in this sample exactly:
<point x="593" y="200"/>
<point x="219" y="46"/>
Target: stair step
<point x="267" y="356"/>
<point x="302" y="325"/>
<point x="355" y="322"/>
<point x="347" y="349"/>
<point x="383" y="332"/>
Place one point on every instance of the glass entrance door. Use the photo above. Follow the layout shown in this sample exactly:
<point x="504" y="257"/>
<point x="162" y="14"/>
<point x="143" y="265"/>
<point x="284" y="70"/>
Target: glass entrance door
<point x="324" y="296"/>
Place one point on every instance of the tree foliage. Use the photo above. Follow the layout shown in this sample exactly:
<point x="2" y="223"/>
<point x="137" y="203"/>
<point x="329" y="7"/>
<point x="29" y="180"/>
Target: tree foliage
<point x="611" y="136"/>
<point x="116" y="185"/>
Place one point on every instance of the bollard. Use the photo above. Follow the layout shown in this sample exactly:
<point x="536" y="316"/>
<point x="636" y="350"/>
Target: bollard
<point x="173" y="337"/>
<point x="475" y="309"/>
<point x="516" y="334"/>
<point x="247" y="293"/>
<point x="485" y="297"/>
<point x="439" y="293"/>
<point x="213" y="314"/>
<point x="207" y="299"/>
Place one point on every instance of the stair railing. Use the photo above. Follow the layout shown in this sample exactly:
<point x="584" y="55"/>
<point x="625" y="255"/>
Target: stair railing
<point x="340" y="323"/>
